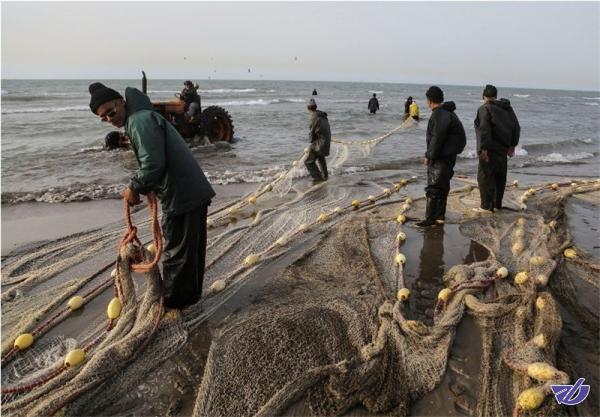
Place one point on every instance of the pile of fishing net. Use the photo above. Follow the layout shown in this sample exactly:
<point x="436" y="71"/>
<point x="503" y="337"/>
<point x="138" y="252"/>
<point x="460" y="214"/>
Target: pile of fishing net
<point x="332" y="325"/>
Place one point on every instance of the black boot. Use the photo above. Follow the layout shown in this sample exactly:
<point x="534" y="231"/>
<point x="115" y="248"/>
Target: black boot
<point x="313" y="170"/>
<point x="430" y="213"/>
<point x="441" y="213"/>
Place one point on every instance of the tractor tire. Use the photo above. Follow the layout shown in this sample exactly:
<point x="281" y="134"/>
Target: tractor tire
<point x="216" y="124"/>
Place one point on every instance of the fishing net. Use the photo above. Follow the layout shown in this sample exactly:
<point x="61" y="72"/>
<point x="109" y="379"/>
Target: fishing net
<point x="332" y="325"/>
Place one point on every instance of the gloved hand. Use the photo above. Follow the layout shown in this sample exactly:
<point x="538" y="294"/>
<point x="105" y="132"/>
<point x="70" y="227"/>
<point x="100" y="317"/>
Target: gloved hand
<point x="131" y="196"/>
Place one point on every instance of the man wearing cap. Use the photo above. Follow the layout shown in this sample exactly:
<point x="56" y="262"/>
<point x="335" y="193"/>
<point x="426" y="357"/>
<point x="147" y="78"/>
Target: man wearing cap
<point x="320" y="141"/>
<point x="167" y="167"/>
<point x="497" y="130"/>
<point x="445" y="139"/>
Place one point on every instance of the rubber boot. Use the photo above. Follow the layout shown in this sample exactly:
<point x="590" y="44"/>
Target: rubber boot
<point x="313" y="170"/>
<point x="441" y="214"/>
<point x="323" y="164"/>
<point x="431" y="210"/>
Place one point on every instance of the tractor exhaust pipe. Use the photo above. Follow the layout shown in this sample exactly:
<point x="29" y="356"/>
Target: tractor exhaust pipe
<point x="144" y="83"/>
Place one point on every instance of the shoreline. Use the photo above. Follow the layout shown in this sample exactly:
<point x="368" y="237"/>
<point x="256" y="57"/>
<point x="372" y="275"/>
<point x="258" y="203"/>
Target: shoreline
<point x="167" y="390"/>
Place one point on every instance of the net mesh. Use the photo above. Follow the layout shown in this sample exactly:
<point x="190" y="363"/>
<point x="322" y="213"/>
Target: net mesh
<point x="329" y="329"/>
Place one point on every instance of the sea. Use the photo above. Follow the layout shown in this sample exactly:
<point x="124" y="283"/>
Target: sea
<point x="52" y="145"/>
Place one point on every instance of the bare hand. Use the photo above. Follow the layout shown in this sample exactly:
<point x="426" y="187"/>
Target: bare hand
<point x="131" y="196"/>
<point x="425" y="161"/>
<point x="484" y="156"/>
<point x="511" y="151"/>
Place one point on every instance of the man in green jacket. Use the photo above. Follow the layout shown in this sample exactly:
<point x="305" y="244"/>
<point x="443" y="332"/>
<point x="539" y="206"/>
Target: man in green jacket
<point x="167" y="167"/>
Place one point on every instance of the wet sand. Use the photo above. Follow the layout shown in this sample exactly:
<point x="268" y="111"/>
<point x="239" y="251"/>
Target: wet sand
<point x="171" y="389"/>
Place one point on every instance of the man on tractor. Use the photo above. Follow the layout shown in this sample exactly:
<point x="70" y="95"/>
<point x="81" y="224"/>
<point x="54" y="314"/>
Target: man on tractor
<point x="190" y="96"/>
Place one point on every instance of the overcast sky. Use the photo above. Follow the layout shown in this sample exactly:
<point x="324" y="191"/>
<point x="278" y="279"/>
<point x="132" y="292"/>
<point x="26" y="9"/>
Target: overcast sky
<point x="543" y="45"/>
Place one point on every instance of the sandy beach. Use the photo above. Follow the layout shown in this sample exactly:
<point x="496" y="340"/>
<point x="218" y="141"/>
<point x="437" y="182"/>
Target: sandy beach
<point x="172" y="388"/>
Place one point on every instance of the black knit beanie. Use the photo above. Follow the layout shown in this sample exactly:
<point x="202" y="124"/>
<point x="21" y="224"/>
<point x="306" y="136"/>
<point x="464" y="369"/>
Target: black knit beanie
<point x="490" y="91"/>
<point x="100" y="95"/>
<point x="435" y="94"/>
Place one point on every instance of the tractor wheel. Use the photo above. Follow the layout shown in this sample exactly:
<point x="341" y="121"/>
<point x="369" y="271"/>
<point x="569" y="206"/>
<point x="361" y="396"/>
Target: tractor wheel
<point x="216" y="124"/>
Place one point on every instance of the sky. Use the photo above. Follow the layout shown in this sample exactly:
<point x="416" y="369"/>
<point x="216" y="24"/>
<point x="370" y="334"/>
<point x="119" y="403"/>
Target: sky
<point x="526" y="44"/>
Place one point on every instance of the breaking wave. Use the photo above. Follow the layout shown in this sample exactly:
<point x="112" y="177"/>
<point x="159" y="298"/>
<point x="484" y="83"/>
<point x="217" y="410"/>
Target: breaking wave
<point x="46" y="109"/>
<point x="76" y="192"/>
<point x="522" y="95"/>
<point x="569" y="143"/>
<point x="565" y="159"/>
<point x="259" y="102"/>
<point x="472" y="153"/>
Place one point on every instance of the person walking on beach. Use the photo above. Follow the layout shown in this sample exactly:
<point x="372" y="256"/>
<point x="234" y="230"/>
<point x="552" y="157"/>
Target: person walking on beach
<point x="314" y="93"/>
<point x="445" y="139"/>
<point x="413" y="110"/>
<point x="373" y="105"/>
<point x="497" y="130"/>
<point x="320" y="141"/>
<point x="167" y="167"/>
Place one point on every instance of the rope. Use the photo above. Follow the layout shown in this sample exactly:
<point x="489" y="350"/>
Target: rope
<point x="131" y="234"/>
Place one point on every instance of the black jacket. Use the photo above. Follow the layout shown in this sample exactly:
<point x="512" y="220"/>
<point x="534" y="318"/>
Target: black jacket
<point x="320" y="133"/>
<point x="373" y="104"/>
<point x="497" y="127"/>
<point x="190" y="96"/>
<point x="445" y="133"/>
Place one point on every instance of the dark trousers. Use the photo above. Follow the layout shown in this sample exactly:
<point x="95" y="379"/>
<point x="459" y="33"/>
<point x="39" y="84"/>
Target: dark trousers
<point x="311" y="165"/>
<point x="439" y="174"/>
<point x="184" y="256"/>
<point x="491" y="178"/>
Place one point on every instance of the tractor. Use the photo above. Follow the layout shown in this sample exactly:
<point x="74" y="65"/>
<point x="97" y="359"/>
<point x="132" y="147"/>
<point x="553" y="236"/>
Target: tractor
<point x="213" y="122"/>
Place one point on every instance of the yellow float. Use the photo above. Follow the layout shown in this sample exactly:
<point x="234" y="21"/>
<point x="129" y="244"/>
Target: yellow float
<point x="75" y="302"/>
<point x="23" y="341"/>
<point x="75" y="357"/>
<point x="114" y="308"/>
<point x="403" y="294"/>
<point x="530" y="399"/>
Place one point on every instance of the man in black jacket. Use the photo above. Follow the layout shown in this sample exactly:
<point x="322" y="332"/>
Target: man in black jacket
<point x="320" y="142"/>
<point x="497" y="130"/>
<point x="407" y="104"/>
<point x="373" y="105"/>
<point x="445" y="139"/>
<point x="190" y="96"/>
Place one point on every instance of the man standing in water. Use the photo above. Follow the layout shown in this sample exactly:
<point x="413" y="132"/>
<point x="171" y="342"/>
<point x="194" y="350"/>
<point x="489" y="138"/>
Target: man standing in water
<point x="373" y="105"/>
<point x="407" y="104"/>
<point x="497" y="130"/>
<point x="445" y="139"/>
<point x="320" y="141"/>
<point x="167" y="167"/>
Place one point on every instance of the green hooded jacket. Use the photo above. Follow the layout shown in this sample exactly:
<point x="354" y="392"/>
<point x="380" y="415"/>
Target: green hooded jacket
<point x="166" y="163"/>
